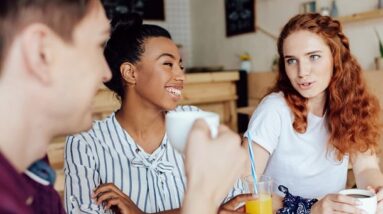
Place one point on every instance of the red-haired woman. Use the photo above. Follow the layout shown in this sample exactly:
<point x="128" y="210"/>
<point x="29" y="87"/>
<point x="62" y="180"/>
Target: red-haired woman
<point x="317" y="118"/>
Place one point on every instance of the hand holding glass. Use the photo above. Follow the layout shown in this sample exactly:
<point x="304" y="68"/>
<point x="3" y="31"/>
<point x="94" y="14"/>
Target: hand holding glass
<point x="262" y="203"/>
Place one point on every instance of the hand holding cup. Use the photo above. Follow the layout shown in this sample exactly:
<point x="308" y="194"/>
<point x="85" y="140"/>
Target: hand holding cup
<point x="179" y="124"/>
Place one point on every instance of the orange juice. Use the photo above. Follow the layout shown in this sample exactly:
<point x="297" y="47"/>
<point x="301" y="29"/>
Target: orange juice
<point x="261" y="205"/>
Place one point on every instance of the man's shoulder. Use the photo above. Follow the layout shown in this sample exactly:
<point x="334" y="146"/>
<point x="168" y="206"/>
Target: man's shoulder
<point x="13" y="196"/>
<point x="46" y="198"/>
<point x="8" y="205"/>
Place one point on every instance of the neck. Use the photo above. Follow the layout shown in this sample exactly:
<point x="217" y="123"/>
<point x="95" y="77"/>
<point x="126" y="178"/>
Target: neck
<point x="316" y="105"/>
<point x="144" y="124"/>
<point x="22" y="139"/>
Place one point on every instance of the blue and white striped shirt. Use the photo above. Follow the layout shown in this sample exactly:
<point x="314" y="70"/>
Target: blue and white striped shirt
<point x="107" y="154"/>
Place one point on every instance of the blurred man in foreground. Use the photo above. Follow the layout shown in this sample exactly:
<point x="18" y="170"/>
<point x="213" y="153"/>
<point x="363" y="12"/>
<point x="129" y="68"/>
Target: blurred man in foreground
<point x="51" y="66"/>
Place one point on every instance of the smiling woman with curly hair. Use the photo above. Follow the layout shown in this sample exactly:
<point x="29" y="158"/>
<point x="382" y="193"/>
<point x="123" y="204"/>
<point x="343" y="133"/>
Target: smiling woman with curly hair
<point x="319" y="116"/>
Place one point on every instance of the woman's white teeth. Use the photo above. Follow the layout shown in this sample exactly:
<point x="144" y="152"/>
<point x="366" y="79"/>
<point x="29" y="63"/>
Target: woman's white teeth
<point x="306" y="84"/>
<point x="174" y="91"/>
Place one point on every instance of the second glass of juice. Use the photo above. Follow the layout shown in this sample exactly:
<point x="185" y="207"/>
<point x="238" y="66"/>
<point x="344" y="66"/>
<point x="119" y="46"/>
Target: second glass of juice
<point x="262" y="198"/>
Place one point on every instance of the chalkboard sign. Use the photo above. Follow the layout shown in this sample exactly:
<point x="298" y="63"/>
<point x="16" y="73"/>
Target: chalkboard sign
<point x="148" y="9"/>
<point x="240" y="16"/>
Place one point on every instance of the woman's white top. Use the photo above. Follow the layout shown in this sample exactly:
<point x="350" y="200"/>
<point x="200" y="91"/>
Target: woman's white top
<point x="301" y="162"/>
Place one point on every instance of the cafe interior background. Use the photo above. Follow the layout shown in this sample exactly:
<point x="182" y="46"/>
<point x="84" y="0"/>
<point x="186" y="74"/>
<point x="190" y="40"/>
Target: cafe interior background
<point x="229" y="50"/>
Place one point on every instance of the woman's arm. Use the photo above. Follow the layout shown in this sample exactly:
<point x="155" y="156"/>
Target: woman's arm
<point x="366" y="170"/>
<point x="261" y="158"/>
<point x="112" y="198"/>
<point x="81" y="177"/>
<point x="368" y="175"/>
<point x="237" y="196"/>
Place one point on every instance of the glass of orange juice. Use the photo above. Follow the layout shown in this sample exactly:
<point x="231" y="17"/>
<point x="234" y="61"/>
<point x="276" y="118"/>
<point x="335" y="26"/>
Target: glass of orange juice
<point x="262" y="198"/>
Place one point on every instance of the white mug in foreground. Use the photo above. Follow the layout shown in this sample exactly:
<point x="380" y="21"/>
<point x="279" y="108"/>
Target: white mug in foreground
<point x="178" y="125"/>
<point x="368" y="199"/>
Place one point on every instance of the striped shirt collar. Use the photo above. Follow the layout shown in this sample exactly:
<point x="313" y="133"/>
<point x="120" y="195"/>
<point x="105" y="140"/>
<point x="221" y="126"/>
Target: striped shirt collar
<point x="140" y="158"/>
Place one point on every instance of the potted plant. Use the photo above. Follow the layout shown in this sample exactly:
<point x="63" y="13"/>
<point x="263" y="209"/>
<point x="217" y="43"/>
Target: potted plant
<point x="379" y="60"/>
<point x="245" y="61"/>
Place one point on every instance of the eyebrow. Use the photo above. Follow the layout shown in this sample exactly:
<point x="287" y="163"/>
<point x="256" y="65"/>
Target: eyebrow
<point x="313" y="52"/>
<point x="309" y="53"/>
<point x="166" y="54"/>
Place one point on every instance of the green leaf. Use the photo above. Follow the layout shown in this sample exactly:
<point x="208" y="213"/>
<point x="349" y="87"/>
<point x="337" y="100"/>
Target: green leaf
<point x="381" y="49"/>
<point x="380" y="43"/>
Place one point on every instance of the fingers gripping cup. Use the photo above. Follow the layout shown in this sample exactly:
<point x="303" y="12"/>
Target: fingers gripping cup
<point x="179" y="124"/>
<point x="367" y="198"/>
<point x="262" y="203"/>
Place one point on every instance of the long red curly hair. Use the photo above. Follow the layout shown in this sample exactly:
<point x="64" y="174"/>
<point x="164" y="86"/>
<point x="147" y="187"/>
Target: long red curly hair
<point x="352" y="113"/>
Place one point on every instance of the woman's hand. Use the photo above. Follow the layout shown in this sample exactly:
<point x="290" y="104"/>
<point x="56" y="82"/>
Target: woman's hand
<point x="111" y="197"/>
<point x="236" y="204"/>
<point x="379" y="195"/>
<point x="336" y="203"/>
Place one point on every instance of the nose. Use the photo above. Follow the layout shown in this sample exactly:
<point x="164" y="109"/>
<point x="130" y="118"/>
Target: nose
<point x="304" y="69"/>
<point x="180" y="74"/>
<point x="107" y="74"/>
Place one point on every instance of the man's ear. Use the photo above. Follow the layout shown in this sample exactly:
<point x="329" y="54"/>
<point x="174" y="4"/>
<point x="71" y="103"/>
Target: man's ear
<point x="128" y="73"/>
<point x="35" y="51"/>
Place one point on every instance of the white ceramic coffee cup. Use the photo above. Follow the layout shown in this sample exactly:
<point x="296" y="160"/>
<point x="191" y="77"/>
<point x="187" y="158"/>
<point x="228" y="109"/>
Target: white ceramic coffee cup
<point x="367" y="198"/>
<point x="178" y="125"/>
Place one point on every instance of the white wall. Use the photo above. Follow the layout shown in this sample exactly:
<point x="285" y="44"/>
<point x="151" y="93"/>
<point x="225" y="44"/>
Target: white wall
<point x="363" y="40"/>
<point x="212" y="47"/>
<point x="177" y="22"/>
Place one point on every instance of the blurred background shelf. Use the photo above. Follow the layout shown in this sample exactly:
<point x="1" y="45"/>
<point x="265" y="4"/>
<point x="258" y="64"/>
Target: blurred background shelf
<point x="373" y="14"/>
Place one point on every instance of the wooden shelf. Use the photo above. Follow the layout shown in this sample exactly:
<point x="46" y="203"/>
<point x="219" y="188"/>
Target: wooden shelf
<point x="373" y="14"/>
